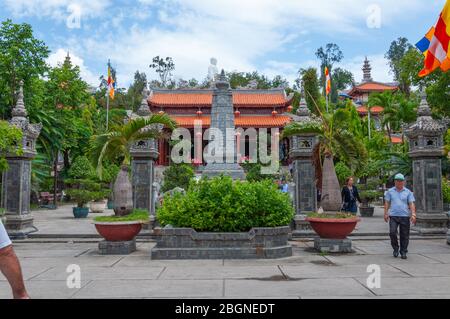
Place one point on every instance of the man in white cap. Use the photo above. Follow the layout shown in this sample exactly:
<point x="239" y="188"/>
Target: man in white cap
<point x="399" y="211"/>
<point x="10" y="266"/>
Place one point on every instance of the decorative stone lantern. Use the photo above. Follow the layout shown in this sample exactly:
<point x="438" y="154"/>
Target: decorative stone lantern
<point x="17" y="179"/>
<point x="301" y="152"/>
<point x="143" y="156"/>
<point x="426" y="150"/>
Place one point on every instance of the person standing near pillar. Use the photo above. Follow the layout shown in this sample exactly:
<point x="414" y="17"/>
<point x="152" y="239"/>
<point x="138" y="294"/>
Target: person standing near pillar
<point x="400" y="212"/>
<point x="10" y="266"/>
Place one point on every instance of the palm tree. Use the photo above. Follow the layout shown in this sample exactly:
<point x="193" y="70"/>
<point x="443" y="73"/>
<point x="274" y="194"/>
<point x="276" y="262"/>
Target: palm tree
<point x="116" y="144"/>
<point x="334" y="140"/>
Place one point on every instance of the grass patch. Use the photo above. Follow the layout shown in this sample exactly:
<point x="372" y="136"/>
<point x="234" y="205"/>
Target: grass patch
<point x="135" y="216"/>
<point x="332" y="216"/>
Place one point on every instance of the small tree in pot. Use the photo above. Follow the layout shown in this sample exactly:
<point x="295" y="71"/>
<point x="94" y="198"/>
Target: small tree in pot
<point x="83" y="192"/>
<point x="117" y="144"/>
<point x="367" y="197"/>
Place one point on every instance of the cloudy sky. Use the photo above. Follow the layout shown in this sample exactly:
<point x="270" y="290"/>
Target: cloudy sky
<point x="271" y="36"/>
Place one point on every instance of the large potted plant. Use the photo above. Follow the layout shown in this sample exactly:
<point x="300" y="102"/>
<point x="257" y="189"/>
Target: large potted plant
<point x="221" y="218"/>
<point x="83" y="192"/>
<point x="121" y="228"/>
<point x="117" y="144"/>
<point x="333" y="226"/>
<point x="368" y="197"/>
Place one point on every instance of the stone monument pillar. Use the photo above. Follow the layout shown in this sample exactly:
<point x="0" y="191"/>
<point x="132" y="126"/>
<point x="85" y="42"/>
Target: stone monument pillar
<point x="301" y="152"/>
<point x="143" y="156"/>
<point x="222" y="120"/>
<point x="17" y="179"/>
<point x="426" y="150"/>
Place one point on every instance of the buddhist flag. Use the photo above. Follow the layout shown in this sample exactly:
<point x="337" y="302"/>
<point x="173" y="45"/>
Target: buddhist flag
<point x="424" y="44"/>
<point x="111" y="83"/>
<point x="328" y="81"/>
<point x="437" y="53"/>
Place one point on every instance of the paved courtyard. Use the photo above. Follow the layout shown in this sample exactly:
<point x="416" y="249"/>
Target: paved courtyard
<point x="426" y="274"/>
<point x="45" y="259"/>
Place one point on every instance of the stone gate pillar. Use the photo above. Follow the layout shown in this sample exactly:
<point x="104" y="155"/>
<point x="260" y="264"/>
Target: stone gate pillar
<point x="426" y="149"/>
<point x="17" y="179"/>
<point x="143" y="156"/>
<point x="301" y="152"/>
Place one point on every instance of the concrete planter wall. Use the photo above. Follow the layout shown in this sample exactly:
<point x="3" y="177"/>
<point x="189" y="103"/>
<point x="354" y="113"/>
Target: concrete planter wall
<point x="186" y="243"/>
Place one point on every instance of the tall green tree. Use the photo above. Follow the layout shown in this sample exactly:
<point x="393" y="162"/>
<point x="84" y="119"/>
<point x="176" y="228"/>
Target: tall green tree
<point x="340" y="80"/>
<point x="22" y="57"/>
<point x="311" y="87"/>
<point x="328" y="56"/>
<point x="134" y="94"/>
<point x="395" y="54"/>
<point x="164" y="68"/>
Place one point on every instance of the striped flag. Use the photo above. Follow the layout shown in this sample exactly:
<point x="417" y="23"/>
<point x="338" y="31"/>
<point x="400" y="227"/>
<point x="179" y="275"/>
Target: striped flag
<point x="328" y="81"/>
<point x="111" y="83"/>
<point x="437" y="53"/>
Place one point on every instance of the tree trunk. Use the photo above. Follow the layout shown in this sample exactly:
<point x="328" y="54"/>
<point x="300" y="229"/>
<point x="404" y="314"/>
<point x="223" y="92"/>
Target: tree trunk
<point x="331" y="193"/>
<point x="123" y="193"/>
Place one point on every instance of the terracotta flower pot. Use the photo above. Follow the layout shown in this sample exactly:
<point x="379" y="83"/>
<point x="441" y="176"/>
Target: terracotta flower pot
<point x="333" y="228"/>
<point x="118" y="231"/>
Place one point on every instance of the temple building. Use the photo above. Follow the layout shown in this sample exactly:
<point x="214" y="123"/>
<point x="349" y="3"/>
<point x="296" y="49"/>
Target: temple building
<point x="252" y="109"/>
<point x="360" y="95"/>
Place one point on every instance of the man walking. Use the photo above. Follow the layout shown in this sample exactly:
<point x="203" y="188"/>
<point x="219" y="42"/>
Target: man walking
<point x="399" y="211"/>
<point x="10" y="266"/>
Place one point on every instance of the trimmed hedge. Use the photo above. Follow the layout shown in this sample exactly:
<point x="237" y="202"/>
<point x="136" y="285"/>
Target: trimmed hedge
<point x="224" y="205"/>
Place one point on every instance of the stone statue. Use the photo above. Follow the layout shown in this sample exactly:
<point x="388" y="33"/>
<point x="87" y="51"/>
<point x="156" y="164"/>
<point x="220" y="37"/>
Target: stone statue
<point x="213" y="71"/>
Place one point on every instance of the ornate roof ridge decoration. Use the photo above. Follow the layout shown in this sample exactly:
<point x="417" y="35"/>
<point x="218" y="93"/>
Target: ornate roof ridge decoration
<point x="303" y="112"/>
<point x="425" y="124"/>
<point x="20" y="117"/>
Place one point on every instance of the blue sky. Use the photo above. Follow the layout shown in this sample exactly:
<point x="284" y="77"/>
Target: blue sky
<point x="271" y="36"/>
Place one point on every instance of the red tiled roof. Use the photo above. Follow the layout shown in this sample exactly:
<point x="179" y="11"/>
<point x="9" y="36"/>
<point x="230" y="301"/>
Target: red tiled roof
<point x="374" y="110"/>
<point x="241" y="121"/>
<point x="173" y="99"/>
<point x="376" y="87"/>
<point x="372" y="87"/>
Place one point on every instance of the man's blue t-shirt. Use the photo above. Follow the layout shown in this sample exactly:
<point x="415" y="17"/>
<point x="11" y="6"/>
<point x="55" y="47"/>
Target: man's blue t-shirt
<point x="399" y="201"/>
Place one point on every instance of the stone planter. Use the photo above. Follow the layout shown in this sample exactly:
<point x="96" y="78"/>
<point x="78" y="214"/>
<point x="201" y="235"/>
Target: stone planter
<point x="118" y="231"/>
<point x="80" y="212"/>
<point x="97" y="207"/>
<point x="366" y="211"/>
<point x="330" y="228"/>
<point x="186" y="243"/>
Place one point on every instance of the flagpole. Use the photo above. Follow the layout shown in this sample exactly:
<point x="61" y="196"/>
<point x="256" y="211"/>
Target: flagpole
<point x="107" y="99"/>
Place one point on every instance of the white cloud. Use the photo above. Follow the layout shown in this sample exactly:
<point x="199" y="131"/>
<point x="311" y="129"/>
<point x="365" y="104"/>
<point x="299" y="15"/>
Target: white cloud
<point x="58" y="10"/>
<point x="60" y="55"/>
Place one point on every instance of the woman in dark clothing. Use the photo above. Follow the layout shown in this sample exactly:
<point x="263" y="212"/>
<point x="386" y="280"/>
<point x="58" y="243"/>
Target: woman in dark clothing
<point x="350" y="195"/>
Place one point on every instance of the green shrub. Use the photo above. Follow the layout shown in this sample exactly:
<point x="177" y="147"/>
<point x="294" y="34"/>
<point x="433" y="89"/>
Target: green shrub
<point x="446" y="190"/>
<point x="342" y="172"/>
<point x="2" y="211"/>
<point x="221" y="205"/>
<point x="368" y="196"/>
<point x="82" y="169"/>
<point x="177" y="175"/>
<point x="136" y="215"/>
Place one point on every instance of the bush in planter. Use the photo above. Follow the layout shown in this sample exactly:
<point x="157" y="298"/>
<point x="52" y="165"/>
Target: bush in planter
<point x="221" y="205"/>
<point x="369" y="196"/>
